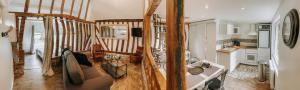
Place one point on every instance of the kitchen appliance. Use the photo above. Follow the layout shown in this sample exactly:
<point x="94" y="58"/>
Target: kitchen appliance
<point x="264" y="46"/>
<point x="265" y="26"/>
<point x="251" y="57"/>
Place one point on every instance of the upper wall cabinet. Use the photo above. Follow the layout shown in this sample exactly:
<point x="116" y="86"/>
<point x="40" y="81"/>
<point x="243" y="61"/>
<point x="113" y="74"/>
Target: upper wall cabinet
<point x="231" y="29"/>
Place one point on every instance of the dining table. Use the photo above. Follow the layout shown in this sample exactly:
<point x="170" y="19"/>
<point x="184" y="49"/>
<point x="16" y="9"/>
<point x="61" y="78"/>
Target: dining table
<point x="198" y="81"/>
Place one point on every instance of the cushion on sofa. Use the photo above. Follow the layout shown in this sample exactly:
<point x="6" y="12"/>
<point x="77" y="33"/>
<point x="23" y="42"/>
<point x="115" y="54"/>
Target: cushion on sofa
<point x="82" y="59"/>
<point x="74" y="71"/>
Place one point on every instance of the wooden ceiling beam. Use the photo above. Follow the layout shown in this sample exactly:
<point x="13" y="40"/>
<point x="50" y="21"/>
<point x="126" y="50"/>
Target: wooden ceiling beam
<point x="26" y="7"/>
<point x="62" y="7"/>
<point x="80" y="8"/>
<point x="87" y="9"/>
<point x="52" y="6"/>
<point x="22" y="14"/>
<point x="120" y="20"/>
<point x="72" y="6"/>
<point x="40" y="5"/>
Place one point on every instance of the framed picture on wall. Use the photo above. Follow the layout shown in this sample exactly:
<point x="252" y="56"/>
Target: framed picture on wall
<point x="119" y="31"/>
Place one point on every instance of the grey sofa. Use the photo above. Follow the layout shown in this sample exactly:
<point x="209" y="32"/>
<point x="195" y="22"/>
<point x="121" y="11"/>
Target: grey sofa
<point x="86" y="77"/>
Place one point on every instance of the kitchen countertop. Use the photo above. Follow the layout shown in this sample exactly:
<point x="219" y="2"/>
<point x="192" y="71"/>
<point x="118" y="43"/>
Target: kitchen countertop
<point x="234" y="48"/>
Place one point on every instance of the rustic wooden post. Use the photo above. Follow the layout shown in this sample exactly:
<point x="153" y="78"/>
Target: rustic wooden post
<point x="21" y="55"/>
<point x="175" y="39"/>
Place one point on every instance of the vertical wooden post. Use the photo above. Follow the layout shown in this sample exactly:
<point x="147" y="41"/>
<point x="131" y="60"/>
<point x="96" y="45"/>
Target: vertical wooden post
<point x="72" y="35"/>
<point x="77" y="35"/>
<point x="57" y="36"/>
<point x="20" y="38"/>
<point x="64" y="32"/>
<point x="175" y="45"/>
<point x="68" y="33"/>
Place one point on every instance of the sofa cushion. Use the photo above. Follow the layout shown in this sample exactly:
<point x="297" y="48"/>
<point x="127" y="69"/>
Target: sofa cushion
<point x="89" y="72"/>
<point x="75" y="73"/>
<point x="82" y="59"/>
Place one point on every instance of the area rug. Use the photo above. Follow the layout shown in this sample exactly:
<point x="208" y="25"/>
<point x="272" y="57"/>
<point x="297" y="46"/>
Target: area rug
<point x="245" y="72"/>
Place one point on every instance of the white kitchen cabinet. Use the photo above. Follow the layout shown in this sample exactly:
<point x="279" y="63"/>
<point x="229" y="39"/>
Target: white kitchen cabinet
<point x="203" y="40"/>
<point x="231" y="29"/>
<point x="228" y="60"/>
<point x="241" y="55"/>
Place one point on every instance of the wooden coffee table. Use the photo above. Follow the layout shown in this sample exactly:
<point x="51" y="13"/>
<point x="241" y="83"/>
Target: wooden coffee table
<point x="116" y="68"/>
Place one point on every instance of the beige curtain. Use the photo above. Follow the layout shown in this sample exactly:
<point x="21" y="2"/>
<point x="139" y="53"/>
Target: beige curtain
<point x="47" y="69"/>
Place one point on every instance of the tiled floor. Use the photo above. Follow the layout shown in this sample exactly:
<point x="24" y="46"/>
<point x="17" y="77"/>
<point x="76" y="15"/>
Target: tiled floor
<point x="244" y="77"/>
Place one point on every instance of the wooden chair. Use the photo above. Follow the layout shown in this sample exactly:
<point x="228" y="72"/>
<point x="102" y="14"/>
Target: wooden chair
<point x="137" y="56"/>
<point x="218" y="84"/>
<point x="98" y="52"/>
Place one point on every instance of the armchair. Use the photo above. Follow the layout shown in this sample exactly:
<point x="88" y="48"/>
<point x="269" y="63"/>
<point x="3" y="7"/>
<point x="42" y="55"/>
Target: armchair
<point x="137" y="56"/>
<point x="98" y="52"/>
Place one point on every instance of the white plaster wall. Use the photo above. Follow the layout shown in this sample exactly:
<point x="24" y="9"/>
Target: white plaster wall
<point x="118" y="9"/>
<point x="6" y="60"/>
<point x="289" y="59"/>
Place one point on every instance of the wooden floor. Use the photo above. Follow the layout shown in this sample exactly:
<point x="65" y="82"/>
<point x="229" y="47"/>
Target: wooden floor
<point x="34" y="80"/>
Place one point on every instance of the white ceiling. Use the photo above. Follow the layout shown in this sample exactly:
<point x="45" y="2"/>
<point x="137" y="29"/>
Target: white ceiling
<point x="99" y="9"/>
<point x="254" y="10"/>
<point x="118" y="9"/>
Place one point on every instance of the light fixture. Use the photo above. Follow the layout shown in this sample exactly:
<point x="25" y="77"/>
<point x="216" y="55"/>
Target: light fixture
<point x="242" y="8"/>
<point x="206" y="6"/>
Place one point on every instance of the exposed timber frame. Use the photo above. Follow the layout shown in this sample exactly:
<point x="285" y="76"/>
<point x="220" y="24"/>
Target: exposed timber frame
<point x="175" y="45"/>
<point x="153" y="79"/>
<point x="67" y="22"/>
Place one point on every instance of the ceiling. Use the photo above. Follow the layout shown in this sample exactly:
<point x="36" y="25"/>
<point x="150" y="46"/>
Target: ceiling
<point x="195" y="10"/>
<point x="250" y="11"/>
<point x="100" y="9"/>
